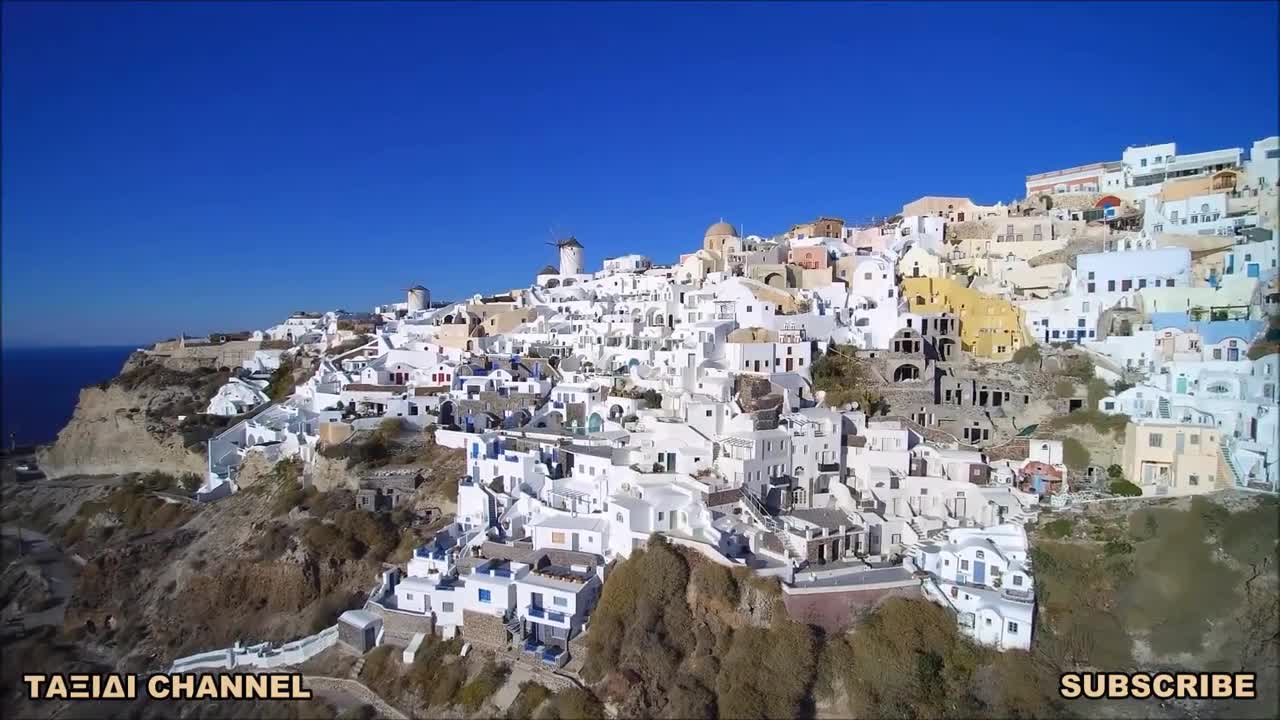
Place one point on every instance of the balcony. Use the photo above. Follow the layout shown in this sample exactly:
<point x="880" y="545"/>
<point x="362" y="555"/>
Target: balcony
<point x="1025" y="596"/>
<point x="541" y="613"/>
<point x="828" y="467"/>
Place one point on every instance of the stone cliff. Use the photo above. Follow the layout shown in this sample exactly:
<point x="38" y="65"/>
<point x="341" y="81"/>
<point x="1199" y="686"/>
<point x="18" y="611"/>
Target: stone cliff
<point x="131" y="423"/>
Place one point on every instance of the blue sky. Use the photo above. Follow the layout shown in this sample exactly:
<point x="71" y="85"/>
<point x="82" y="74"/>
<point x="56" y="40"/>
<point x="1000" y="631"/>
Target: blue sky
<point x="189" y="167"/>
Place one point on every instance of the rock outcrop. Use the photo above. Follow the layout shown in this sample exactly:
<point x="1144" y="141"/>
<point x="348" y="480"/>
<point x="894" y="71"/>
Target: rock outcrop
<point x="131" y="424"/>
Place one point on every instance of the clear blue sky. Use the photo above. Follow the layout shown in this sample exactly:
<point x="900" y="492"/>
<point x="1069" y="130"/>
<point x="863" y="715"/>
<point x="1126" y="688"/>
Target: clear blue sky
<point x="188" y="167"/>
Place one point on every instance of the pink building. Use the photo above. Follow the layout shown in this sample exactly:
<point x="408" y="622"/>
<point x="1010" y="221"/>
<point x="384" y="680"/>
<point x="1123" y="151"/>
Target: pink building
<point x="811" y="258"/>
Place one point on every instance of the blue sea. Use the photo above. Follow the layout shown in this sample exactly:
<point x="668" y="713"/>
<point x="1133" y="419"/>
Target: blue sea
<point x="41" y="386"/>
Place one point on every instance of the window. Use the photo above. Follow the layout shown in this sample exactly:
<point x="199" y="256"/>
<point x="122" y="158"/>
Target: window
<point x="559" y="601"/>
<point x="1155" y="440"/>
<point x="660" y="515"/>
<point x="1091" y="287"/>
<point x="1013" y="627"/>
<point x="1126" y="284"/>
<point x="1017" y="579"/>
<point x="1143" y="162"/>
<point x="1111" y="285"/>
<point x="708" y="413"/>
<point x="964" y="564"/>
<point x="1193" y="479"/>
<point x="1080" y="322"/>
<point x="1090" y="274"/>
<point x="485" y="596"/>
<point x="557" y="537"/>
<point x="1142" y="283"/>
<point x="408" y="596"/>
<point x="1195" y="439"/>
<point x="446" y="607"/>
<point x="980" y="555"/>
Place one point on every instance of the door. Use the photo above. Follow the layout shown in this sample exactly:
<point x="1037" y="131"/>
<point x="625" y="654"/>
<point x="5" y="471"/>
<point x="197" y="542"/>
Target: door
<point x="574" y="542"/>
<point x="1252" y="270"/>
<point x="1180" y="442"/>
<point x="1182" y="385"/>
<point x="1233" y="354"/>
<point x="961" y="507"/>
<point x="789" y="364"/>
<point x="980" y="573"/>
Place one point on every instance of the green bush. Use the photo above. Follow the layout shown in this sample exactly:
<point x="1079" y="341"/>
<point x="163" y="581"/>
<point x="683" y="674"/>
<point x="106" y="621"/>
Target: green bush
<point x="529" y="699"/>
<point x="1059" y="528"/>
<point x="491" y="677"/>
<point x="839" y="374"/>
<point x="1124" y="488"/>
<point x="1028" y="355"/>
<point x="1075" y="454"/>
<point x="1115" y="472"/>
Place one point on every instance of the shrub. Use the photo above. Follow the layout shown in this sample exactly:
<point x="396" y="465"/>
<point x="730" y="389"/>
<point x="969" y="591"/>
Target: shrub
<point x="1075" y="454"/>
<point x="573" y="703"/>
<point x="191" y="482"/>
<point x="530" y="697"/>
<point x="1028" y="355"/>
<point x="1077" y="366"/>
<point x="491" y="677"/>
<point x="1124" y="488"/>
<point x="1115" y="472"/>
<point x="1059" y="528"/>
<point x="1115" y="548"/>
<point x="715" y="582"/>
<point x="449" y="679"/>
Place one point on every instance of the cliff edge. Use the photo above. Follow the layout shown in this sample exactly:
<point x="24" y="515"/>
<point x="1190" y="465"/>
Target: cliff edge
<point x="147" y="418"/>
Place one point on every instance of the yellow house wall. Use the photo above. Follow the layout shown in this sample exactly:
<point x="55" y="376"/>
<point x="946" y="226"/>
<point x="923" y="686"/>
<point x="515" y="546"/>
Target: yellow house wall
<point x="987" y="323"/>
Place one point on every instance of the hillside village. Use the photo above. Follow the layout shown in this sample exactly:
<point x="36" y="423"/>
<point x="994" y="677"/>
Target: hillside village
<point x="859" y="411"/>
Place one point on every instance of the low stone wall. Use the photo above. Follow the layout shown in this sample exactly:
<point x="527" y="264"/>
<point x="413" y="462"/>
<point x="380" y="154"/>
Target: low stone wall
<point x="838" y="609"/>
<point x="398" y="628"/>
<point x="484" y="630"/>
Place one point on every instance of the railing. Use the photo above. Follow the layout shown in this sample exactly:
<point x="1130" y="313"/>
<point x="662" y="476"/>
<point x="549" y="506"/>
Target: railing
<point x="1025" y="596"/>
<point x="537" y="611"/>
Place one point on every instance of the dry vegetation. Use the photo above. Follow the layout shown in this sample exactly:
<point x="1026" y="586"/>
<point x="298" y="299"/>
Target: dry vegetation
<point x="1187" y="583"/>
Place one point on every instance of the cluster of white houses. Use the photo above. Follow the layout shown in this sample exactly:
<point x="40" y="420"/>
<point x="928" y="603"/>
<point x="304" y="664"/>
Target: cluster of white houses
<point x="598" y="408"/>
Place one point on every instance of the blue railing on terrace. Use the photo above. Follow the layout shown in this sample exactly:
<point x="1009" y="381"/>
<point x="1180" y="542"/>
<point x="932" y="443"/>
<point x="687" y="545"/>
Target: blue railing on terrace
<point x="538" y="611"/>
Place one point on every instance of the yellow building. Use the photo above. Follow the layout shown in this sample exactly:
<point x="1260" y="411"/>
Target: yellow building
<point x="990" y="327"/>
<point x="1167" y="457"/>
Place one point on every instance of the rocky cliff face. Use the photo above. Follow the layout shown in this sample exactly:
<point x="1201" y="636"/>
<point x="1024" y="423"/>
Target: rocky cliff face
<point x="131" y="423"/>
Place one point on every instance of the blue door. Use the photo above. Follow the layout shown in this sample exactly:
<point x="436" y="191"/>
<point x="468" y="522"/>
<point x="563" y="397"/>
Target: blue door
<point x="1253" y="270"/>
<point x="980" y="573"/>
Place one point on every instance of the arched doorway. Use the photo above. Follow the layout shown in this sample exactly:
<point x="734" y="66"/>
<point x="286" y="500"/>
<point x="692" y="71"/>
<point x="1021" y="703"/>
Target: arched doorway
<point x="595" y="423"/>
<point x="906" y="373"/>
<point x="775" y="279"/>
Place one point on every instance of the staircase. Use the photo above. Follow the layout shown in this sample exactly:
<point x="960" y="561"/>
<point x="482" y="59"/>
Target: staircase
<point x="1162" y="409"/>
<point x="772" y="524"/>
<point x="355" y="669"/>
<point x="1228" y="458"/>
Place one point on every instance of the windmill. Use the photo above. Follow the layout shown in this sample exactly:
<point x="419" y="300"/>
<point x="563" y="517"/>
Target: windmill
<point x="570" y="255"/>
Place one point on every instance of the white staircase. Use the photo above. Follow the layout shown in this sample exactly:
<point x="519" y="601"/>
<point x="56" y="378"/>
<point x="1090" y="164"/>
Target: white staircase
<point x="772" y="524"/>
<point x="1227" y="448"/>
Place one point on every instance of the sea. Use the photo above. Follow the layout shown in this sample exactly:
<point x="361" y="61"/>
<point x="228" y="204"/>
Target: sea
<point x="42" y="385"/>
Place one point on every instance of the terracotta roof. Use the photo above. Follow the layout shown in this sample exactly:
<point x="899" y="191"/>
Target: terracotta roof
<point x="430" y="390"/>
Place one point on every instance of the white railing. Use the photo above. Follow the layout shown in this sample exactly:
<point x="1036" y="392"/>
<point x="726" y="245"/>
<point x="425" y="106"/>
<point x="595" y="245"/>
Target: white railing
<point x="260" y="655"/>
